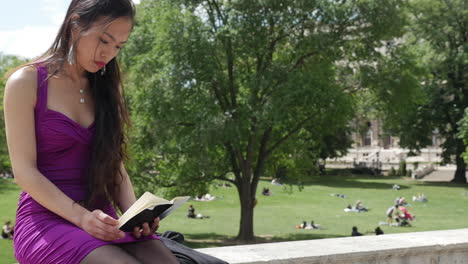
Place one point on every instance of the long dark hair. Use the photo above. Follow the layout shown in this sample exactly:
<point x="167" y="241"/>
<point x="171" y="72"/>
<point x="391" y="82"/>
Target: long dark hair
<point x="111" y="115"/>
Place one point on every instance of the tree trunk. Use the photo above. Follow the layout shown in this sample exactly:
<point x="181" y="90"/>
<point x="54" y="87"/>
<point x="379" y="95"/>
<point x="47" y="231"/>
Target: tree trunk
<point x="247" y="200"/>
<point x="460" y="173"/>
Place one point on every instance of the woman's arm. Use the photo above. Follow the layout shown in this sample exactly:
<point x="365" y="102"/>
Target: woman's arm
<point x="19" y="103"/>
<point x="126" y="193"/>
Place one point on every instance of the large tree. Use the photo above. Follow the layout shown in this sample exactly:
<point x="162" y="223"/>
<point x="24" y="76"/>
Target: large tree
<point x="219" y="87"/>
<point x="438" y="37"/>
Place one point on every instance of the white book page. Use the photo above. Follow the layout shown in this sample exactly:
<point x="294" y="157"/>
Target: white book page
<point x="147" y="200"/>
<point x="177" y="202"/>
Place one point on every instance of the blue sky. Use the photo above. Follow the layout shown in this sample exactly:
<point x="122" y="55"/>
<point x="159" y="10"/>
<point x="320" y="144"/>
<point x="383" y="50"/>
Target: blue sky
<point x="28" y="27"/>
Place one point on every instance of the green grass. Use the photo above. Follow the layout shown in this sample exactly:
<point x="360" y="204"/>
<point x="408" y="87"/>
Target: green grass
<point x="276" y="216"/>
<point x="9" y="194"/>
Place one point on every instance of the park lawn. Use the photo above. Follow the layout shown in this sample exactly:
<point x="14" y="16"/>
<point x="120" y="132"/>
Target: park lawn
<point x="277" y="215"/>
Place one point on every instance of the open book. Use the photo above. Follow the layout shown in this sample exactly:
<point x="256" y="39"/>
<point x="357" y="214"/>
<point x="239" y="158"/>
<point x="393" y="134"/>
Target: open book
<point x="147" y="208"/>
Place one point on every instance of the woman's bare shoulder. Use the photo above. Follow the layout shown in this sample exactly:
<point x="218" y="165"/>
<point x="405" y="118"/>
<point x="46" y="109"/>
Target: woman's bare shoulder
<point x="24" y="76"/>
<point x="22" y="84"/>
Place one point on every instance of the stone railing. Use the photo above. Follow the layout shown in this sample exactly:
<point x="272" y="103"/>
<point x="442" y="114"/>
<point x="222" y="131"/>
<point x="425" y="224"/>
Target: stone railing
<point x="434" y="247"/>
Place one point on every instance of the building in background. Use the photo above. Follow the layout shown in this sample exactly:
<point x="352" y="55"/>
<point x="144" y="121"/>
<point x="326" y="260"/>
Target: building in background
<point x="373" y="148"/>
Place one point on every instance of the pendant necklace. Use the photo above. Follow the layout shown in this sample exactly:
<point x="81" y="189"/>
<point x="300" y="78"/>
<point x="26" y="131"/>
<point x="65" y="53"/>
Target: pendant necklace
<point x="82" y="94"/>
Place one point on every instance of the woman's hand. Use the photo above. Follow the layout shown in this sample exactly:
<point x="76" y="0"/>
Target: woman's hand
<point x="147" y="230"/>
<point x="101" y="226"/>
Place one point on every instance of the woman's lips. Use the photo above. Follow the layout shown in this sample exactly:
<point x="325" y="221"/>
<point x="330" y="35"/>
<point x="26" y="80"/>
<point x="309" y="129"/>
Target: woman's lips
<point x="100" y="64"/>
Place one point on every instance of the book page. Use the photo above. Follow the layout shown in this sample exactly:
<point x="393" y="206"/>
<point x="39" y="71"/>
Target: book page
<point x="177" y="202"/>
<point x="147" y="200"/>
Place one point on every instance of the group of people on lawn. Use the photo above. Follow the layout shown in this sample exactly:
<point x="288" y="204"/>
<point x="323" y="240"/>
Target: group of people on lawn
<point x="399" y="213"/>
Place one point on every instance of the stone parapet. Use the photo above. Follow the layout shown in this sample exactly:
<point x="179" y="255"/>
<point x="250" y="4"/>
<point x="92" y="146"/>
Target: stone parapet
<point x="433" y="247"/>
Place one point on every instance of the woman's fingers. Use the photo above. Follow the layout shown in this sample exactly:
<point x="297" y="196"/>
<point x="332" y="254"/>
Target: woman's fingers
<point x="155" y="223"/>
<point x="103" y="226"/>
<point x="106" y="218"/>
<point x="146" y="230"/>
<point x="136" y="232"/>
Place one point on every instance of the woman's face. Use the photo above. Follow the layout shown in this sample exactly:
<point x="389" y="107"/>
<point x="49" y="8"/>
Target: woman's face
<point x="101" y="44"/>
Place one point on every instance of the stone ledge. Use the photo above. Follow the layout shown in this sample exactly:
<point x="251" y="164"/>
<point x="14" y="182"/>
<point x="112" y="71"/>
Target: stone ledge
<point x="433" y="247"/>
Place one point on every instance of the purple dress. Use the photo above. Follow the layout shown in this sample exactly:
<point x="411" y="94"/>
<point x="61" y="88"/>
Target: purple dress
<point x="63" y="153"/>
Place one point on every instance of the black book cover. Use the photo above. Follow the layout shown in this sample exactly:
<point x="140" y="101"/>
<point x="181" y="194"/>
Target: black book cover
<point x="147" y="215"/>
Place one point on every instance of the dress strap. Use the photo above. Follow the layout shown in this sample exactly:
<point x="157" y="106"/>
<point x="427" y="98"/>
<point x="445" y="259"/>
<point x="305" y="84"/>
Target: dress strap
<point x="41" y="101"/>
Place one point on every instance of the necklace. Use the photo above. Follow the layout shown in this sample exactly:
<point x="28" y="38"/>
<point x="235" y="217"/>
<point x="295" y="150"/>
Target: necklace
<point x="82" y="100"/>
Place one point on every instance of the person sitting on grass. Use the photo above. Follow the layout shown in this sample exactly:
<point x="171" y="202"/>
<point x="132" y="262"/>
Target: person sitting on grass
<point x="360" y="207"/>
<point x="266" y="191"/>
<point x="276" y="181"/>
<point x="349" y="208"/>
<point x="355" y="232"/>
<point x="401" y="201"/>
<point x="312" y="225"/>
<point x="420" y="198"/>
<point x="405" y="213"/>
<point x="305" y="225"/>
<point x="7" y="230"/>
<point x="338" y="195"/>
<point x="378" y="231"/>
<point x="191" y="212"/>
<point x="204" y="198"/>
<point x="401" y="221"/>
<point x="390" y="212"/>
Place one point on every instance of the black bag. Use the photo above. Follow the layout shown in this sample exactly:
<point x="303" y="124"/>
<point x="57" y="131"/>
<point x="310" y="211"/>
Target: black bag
<point x="173" y="241"/>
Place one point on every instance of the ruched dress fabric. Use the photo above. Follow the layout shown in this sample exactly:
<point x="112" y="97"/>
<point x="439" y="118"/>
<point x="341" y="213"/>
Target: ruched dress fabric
<point x="63" y="156"/>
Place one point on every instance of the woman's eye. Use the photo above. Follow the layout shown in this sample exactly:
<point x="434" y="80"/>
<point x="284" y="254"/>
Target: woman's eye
<point x="105" y="42"/>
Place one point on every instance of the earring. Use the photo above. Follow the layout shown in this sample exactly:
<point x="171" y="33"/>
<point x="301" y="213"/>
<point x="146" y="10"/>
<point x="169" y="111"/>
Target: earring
<point x="71" y="56"/>
<point x="103" y="71"/>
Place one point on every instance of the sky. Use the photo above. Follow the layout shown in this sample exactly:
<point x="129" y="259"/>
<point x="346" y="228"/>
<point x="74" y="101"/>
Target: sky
<point x="28" y="27"/>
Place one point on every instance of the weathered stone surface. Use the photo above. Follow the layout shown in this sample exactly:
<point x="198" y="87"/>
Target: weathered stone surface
<point x="434" y="247"/>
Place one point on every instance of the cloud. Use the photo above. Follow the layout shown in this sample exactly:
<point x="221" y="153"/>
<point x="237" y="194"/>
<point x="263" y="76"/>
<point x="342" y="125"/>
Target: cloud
<point x="31" y="40"/>
<point x="54" y="10"/>
<point x="28" y="41"/>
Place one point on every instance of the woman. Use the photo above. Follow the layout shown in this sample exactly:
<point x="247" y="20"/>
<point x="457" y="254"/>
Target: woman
<point x="65" y="123"/>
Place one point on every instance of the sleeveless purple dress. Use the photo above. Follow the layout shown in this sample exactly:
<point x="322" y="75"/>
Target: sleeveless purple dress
<point x="63" y="153"/>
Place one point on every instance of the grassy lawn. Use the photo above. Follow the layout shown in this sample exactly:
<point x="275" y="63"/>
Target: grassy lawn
<point x="277" y="215"/>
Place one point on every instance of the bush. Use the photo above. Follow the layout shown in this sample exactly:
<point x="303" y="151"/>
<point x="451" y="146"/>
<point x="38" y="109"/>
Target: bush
<point x="402" y="169"/>
<point x="409" y="173"/>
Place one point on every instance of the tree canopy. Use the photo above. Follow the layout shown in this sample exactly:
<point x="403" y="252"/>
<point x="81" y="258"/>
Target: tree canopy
<point x="436" y="43"/>
<point x="220" y="88"/>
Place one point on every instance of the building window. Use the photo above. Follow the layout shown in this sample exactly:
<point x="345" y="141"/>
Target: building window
<point x="435" y="138"/>
<point x="387" y="142"/>
<point x="368" y="138"/>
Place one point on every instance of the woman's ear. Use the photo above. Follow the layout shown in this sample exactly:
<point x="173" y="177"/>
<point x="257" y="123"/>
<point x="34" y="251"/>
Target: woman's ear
<point x="74" y="17"/>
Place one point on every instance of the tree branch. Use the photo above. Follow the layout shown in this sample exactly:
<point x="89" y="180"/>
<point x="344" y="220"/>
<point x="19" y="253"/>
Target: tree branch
<point x="224" y="179"/>
<point x="261" y="159"/>
<point x="234" y="162"/>
<point x="223" y="101"/>
<point x="300" y="61"/>
<point x="290" y="133"/>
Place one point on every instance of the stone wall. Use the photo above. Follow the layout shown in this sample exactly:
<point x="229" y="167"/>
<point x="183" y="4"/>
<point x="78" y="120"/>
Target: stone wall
<point x="434" y="247"/>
